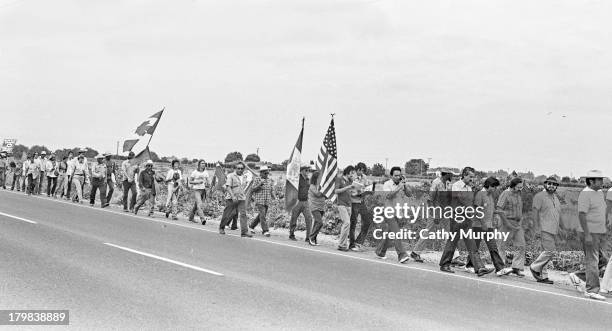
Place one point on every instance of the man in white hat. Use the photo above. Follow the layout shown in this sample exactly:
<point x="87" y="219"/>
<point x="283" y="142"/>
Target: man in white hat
<point x="302" y="206"/>
<point x="98" y="182"/>
<point x="263" y="194"/>
<point x="592" y="216"/>
<point x="146" y="183"/>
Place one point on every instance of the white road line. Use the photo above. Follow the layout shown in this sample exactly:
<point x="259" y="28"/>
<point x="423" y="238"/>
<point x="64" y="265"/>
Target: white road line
<point x="18" y="218"/>
<point x="371" y="260"/>
<point x="165" y="259"/>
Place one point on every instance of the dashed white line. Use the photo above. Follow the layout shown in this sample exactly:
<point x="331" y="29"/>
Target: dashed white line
<point x="371" y="260"/>
<point x="18" y="218"/>
<point x="153" y="256"/>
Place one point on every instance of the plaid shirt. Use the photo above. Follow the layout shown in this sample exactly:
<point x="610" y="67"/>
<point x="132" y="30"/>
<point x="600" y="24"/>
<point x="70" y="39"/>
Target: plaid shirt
<point x="263" y="196"/>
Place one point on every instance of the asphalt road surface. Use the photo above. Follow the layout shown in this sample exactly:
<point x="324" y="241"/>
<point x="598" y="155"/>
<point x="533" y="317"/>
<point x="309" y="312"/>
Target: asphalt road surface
<point x="119" y="271"/>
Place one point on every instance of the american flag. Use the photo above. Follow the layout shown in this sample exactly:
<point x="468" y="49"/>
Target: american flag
<point x="327" y="164"/>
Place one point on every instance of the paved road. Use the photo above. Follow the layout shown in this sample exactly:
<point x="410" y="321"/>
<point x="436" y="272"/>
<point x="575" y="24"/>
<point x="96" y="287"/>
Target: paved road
<point x="119" y="271"/>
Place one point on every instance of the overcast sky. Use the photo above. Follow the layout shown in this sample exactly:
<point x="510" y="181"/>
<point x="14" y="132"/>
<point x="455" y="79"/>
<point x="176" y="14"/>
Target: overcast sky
<point x="483" y="83"/>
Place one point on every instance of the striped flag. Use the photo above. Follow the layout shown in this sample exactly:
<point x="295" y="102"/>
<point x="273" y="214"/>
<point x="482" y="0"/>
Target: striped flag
<point x="293" y="173"/>
<point x="327" y="164"/>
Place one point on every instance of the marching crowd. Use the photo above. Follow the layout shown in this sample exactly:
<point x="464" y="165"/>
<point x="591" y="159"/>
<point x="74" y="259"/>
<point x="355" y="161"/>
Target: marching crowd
<point x="66" y="177"/>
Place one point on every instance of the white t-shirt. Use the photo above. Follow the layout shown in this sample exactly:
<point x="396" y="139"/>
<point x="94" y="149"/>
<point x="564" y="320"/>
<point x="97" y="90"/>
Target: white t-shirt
<point x="198" y="176"/>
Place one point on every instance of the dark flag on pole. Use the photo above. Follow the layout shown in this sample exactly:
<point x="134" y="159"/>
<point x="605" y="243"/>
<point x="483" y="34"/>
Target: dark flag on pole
<point x="327" y="164"/>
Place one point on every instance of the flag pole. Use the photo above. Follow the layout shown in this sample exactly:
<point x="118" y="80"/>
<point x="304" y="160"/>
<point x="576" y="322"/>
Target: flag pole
<point x="159" y="119"/>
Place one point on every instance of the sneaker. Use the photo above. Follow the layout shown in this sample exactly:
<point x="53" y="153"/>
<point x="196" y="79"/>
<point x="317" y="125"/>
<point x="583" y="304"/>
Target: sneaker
<point x="577" y="283"/>
<point x="246" y="235"/>
<point x="312" y="243"/>
<point x="293" y="238"/>
<point x="343" y="249"/>
<point x="382" y="257"/>
<point x="355" y="249"/>
<point x="545" y="281"/>
<point x="252" y="231"/>
<point x="518" y="272"/>
<point x="469" y="269"/>
<point x="456" y="262"/>
<point x="404" y="259"/>
<point x="536" y="275"/>
<point x="416" y="257"/>
<point x="221" y="231"/>
<point x="484" y="271"/>
<point x="504" y="272"/>
<point x="595" y="296"/>
<point x="266" y="234"/>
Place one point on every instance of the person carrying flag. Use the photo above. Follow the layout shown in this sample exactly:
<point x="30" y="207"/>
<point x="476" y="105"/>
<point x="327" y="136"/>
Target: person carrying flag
<point x="302" y="206"/>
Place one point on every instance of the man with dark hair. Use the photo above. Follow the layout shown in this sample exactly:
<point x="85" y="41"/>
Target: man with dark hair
<point x="358" y="208"/>
<point x="3" y="169"/>
<point x="484" y="199"/>
<point x="263" y="194"/>
<point x="302" y="206"/>
<point x="129" y="168"/>
<point x="111" y="179"/>
<point x="146" y="183"/>
<point x="510" y="210"/>
<point x="438" y="197"/>
<point x="344" y="185"/>
<point x="461" y="198"/>
<point x="547" y="211"/>
<point x="98" y="182"/>
<point x="235" y="187"/>
<point x="593" y="220"/>
<point x="394" y="189"/>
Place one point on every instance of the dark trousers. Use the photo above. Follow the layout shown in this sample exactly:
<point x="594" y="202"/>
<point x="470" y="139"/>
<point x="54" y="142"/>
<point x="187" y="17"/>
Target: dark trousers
<point x="451" y="246"/>
<point x="127" y="187"/>
<point x="16" y="182"/>
<point x="3" y="178"/>
<point x="498" y="262"/>
<point x="51" y="184"/>
<point x="31" y="183"/>
<point x="110" y="189"/>
<point x="69" y="187"/>
<point x="98" y="184"/>
<point x="390" y="225"/>
<point x="260" y="218"/>
<point x="366" y="221"/>
<point x="317" y="224"/>
<point x="594" y="260"/>
<point x="303" y="208"/>
<point x="234" y="206"/>
<point x="41" y="182"/>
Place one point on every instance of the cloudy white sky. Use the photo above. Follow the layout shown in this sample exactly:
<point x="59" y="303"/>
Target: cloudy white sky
<point x="478" y="82"/>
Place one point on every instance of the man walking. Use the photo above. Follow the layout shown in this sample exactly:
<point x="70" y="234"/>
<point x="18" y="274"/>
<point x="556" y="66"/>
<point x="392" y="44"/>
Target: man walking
<point x="146" y="183"/>
<point x="98" y="182"/>
<point x="235" y="197"/>
<point x="344" y="186"/>
<point x="43" y="169"/>
<point x="263" y="194"/>
<point x="129" y="168"/>
<point x="394" y="188"/>
<point x="358" y="208"/>
<point x="462" y="196"/>
<point x="510" y="210"/>
<point x="62" y="177"/>
<point x="17" y="174"/>
<point x="302" y="206"/>
<point x="439" y="196"/>
<point x="3" y="169"/>
<point x="547" y="210"/>
<point x="482" y="226"/>
<point x="111" y="173"/>
<point x="70" y="162"/>
<point x="593" y="219"/>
